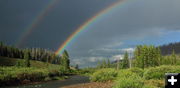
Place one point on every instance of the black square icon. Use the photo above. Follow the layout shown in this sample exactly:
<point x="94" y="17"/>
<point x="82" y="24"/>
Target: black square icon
<point x="172" y="80"/>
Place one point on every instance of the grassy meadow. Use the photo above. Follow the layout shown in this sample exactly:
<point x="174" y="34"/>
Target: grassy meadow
<point x="146" y="70"/>
<point x="10" y="74"/>
<point x="152" y="77"/>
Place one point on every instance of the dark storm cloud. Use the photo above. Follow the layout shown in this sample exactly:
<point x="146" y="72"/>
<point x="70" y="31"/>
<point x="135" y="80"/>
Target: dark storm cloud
<point x="106" y="38"/>
<point x="63" y="18"/>
<point x="135" y="21"/>
<point x="143" y="18"/>
<point x="15" y="15"/>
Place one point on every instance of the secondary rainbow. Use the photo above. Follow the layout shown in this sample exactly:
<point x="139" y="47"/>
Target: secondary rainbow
<point x="86" y="24"/>
<point x="29" y="29"/>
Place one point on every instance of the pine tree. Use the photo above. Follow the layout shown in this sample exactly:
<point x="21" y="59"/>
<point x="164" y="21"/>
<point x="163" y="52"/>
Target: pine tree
<point x="65" y="60"/>
<point x="108" y="63"/>
<point x="147" y="56"/>
<point x="125" y="62"/>
<point x="77" y="66"/>
<point x="27" y="57"/>
<point x="99" y="65"/>
<point x="139" y="62"/>
<point x="159" y="61"/>
<point x="173" y="58"/>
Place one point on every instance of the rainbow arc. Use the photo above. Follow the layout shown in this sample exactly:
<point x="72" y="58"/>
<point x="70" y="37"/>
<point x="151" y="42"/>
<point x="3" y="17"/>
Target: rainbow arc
<point x="86" y="25"/>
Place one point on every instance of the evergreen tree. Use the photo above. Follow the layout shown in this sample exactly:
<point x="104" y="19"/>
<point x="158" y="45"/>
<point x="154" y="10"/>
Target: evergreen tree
<point x="147" y="56"/>
<point x="160" y="58"/>
<point x="139" y="62"/>
<point x="99" y="65"/>
<point x="104" y="64"/>
<point x="125" y="62"/>
<point x="77" y="66"/>
<point x="65" y="60"/>
<point x="173" y="58"/>
<point x="27" y="57"/>
<point x="108" y="63"/>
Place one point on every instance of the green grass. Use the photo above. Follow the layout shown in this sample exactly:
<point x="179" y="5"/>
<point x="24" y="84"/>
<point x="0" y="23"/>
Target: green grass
<point x="39" y="71"/>
<point x="159" y="72"/>
<point x="129" y="78"/>
<point x="103" y="75"/>
<point x="16" y="75"/>
<point x="152" y="77"/>
<point x="6" y="61"/>
<point x="86" y="71"/>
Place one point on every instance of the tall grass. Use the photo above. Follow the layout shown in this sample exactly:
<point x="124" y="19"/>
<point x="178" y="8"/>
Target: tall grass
<point x="103" y="75"/>
<point x="16" y="75"/>
<point x="129" y="78"/>
<point x="152" y="77"/>
<point x="159" y="72"/>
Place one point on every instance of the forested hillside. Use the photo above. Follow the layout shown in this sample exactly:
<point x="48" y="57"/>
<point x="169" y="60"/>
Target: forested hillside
<point x="167" y="49"/>
<point x="38" y="54"/>
<point x="31" y="65"/>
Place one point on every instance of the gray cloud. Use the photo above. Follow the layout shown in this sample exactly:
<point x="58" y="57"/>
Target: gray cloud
<point x="106" y="38"/>
<point x="135" y="21"/>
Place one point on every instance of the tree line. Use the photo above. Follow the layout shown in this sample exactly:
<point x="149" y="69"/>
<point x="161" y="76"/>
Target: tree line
<point x="144" y="56"/>
<point x="37" y="54"/>
<point x="169" y="48"/>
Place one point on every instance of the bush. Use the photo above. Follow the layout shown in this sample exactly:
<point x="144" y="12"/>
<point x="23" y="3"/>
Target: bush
<point x="104" y="75"/>
<point x="129" y="80"/>
<point x="159" y="72"/>
<point x="16" y="75"/>
<point x="149" y="78"/>
<point x="126" y="73"/>
<point x="137" y="71"/>
<point x="32" y="75"/>
<point x="20" y="63"/>
<point x="87" y="71"/>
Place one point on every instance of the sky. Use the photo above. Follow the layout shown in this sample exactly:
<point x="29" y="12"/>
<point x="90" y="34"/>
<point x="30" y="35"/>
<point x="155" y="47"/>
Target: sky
<point x="131" y="23"/>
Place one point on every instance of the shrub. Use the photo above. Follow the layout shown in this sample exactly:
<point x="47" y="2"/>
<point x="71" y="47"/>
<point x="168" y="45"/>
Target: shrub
<point x="16" y="75"/>
<point x="104" y="75"/>
<point x="137" y="71"/>
<point x="133" y="81"/>
<point x="54" y="72"/>
<point x="159" y="72"/>
<point x="20" y="63"/>
<point x="87" y="71"/>
<point x="129" y="78"/>
<point x="126" y="74"/>
<point x="32" y="75"/>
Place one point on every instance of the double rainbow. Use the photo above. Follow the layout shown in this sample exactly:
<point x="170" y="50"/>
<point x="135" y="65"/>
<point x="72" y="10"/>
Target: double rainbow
<point x="84" y="26"/>
<point x="35" y="22"/>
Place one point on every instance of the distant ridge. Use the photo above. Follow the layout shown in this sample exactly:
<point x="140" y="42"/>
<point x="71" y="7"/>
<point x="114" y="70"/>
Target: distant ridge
<point x="168" y="48"/>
